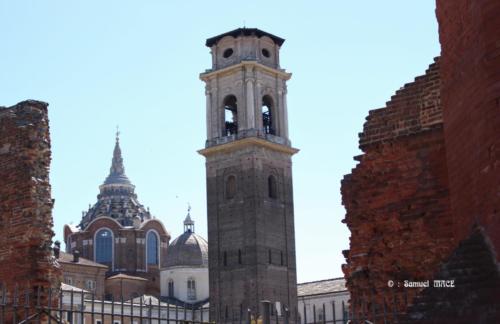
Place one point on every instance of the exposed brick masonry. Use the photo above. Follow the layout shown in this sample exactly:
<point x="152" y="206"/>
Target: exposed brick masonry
<point x="475" y="297"/>
<point x="469" y="32"/>
<point x="25" y="198"/>
<point x="409" y="155"/>
<point x="396" y="198"/>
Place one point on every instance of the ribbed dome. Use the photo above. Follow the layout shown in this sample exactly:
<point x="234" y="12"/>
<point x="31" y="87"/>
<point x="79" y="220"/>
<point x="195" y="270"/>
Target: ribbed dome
<point x="189" y="249"/>
<point x="117" y="198"/>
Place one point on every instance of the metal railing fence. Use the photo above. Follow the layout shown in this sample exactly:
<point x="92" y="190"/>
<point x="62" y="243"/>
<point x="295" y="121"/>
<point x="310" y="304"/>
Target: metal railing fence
<point x="80" y="307"/>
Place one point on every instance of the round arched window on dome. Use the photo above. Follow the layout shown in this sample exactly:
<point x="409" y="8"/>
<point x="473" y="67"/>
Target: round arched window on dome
<point x="104" y="246"/>
<point x="152" y="248"/>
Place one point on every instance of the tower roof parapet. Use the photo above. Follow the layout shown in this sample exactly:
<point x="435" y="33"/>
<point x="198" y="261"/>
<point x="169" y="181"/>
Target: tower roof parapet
<point x="244" y="32"/>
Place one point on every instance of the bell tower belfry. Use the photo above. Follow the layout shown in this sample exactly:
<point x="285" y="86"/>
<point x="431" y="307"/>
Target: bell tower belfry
<point x="249" y="176"/>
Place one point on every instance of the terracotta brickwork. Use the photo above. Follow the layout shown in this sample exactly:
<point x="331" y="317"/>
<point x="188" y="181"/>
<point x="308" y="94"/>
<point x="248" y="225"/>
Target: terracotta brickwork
<point x="396" y="198"/>
<point x="469" y="35"/>
<point x="25" y="199"/>
<point x="125" y="287"/>
<point x="414" y="109"/>
<point x="446" y="170"/>
<point x="476" y="295"/>
<point x="129" y="249"/>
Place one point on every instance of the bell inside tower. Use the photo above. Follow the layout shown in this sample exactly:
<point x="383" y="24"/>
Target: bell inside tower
<point x="268" y="116"/>
<point x="230" y="116"/>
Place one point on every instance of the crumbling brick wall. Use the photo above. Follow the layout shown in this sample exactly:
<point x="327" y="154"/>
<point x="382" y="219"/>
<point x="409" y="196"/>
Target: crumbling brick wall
<point x="25" y="199"/>
<point x="469" y="32"/>
<point x="475" y="296"/>
<point x="397" y="198"/>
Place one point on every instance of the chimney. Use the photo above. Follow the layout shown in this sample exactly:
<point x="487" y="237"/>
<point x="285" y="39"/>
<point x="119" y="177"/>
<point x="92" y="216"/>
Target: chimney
<point x="76" y="256"/>
<point x="57" y="249"/>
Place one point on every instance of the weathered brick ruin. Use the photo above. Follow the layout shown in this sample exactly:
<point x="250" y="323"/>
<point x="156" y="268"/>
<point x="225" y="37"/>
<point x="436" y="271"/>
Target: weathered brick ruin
<point x="423" y="202"/>
<point x="469" y="33"/>
<point x="26" y="261"/>
<point x="397" y="198"/>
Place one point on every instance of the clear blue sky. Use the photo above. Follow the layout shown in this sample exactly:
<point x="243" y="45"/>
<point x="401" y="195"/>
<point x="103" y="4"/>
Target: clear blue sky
<point x="136" y="64"/>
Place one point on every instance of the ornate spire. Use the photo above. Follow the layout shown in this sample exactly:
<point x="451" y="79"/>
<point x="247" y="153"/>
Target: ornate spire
<point x="188" y="222"/>
<point x="117" y="170"/>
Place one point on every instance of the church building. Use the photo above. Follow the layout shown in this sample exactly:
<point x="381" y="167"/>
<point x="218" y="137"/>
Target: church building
<point x="117" y="231"/>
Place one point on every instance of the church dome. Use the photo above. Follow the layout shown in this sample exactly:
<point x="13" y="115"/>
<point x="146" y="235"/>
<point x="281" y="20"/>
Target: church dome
<point x="189" y="249"/>
<point x="117" y="198"/>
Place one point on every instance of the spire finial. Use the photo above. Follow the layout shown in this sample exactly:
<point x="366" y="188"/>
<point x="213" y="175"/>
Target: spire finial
<point x="117" y="133"/>
<point x="117" y="170"/>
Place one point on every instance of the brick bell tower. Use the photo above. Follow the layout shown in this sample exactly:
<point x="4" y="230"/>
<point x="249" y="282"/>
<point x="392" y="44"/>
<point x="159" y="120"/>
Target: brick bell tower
<point x="249" y="177"/>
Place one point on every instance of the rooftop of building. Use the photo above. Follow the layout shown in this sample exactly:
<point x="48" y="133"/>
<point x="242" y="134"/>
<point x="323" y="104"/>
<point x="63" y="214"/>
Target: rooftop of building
<point x="70" y="288"/>
<point x="124" y="276"/>
<point x="321" y="287"/>
<point x="238" y="32"/>
<point x="69" y="259"/>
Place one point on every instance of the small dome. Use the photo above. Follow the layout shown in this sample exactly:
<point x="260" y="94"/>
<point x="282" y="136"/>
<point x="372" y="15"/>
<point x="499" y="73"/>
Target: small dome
<point x="189" y="249"/>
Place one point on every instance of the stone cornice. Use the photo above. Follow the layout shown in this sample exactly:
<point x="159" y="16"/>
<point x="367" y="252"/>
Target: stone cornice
<point x="206" y="76"/>
<point x="245" y="142"/>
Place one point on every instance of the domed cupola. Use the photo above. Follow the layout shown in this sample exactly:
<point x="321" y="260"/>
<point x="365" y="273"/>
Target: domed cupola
<point x="189" y="249"/>
<point x="117" y="198"/>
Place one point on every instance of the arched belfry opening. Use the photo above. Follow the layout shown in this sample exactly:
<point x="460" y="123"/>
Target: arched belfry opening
<point x="230" y="115"/>
<point x="268" y="122"/>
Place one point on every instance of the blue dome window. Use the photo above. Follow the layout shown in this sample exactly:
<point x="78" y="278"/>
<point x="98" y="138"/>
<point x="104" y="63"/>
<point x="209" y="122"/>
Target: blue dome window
<point x="152" y="248"/>
<point x="104" y="246"/>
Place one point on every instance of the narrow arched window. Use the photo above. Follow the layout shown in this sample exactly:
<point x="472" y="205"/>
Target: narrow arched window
<point x="230" y="187"/>
<point x="239" y="257"/>
<point x="267" y="115"/>
<point x="270" y="256"/>
<point x="104" y="247"/>
<point x="152" y="248"/>
<point x="230" y="116"/>
<point x="272" y="190"/>
<point x="225" y="258"/>
<point x="191" y="289"/>
<point x="170" y="288"/>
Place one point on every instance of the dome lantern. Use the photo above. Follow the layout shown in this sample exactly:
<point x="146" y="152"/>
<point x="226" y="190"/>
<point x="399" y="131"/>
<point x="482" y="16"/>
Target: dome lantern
<point x="189" y="249"/>
<point x="188" y="222"/>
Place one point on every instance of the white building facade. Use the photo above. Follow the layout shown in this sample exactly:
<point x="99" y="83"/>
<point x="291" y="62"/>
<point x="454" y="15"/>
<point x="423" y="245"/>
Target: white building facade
<point x="323" y="301"/>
